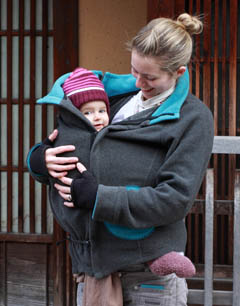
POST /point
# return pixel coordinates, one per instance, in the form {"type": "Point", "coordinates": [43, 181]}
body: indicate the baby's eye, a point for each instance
{"type": "Point", "coordinates": [86, 113]}
{"type": "Point", "coordinates": [102, 111]}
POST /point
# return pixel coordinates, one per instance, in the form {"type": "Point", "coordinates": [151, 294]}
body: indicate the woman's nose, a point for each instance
{"type": "Point", "coordinates": [139, 82]}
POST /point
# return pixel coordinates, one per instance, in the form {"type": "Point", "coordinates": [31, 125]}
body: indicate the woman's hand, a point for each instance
{"type": "Point", "coordinates": [53, 135]}
{"type": "Point", "coordinates": [58, 166]}
{"type": "Point", "coordinates": [65, 191]}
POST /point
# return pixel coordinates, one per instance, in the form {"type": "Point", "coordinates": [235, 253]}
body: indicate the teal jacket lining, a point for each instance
{"type": "Point", "coordinates": [116, 84]}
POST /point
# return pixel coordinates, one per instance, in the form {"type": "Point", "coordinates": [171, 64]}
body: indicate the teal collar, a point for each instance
{"type": "Point", "coordinates": [171, 107]}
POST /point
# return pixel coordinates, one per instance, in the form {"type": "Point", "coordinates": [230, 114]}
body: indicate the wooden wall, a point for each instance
{"type": "Point", "coordinates": [104, 28]}
{"type": "Point", "coordinates": [26, 274]}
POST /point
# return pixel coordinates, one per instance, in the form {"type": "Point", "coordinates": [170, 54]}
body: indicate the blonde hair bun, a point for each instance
{"type": "Point", "coordinates": [192, 24]}
{"type": "Point", "coordinates": [169, 41]}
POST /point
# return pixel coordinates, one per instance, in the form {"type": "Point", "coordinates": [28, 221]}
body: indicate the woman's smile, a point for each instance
{"type": "Point", "coordinates": [146, 90]}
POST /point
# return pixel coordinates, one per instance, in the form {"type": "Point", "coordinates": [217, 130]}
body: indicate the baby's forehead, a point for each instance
{"type": "Point", "coordinates": [94, 104]}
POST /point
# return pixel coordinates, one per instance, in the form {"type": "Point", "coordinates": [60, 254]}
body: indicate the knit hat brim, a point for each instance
{"type": "Point", "coordinates": [88, 96]}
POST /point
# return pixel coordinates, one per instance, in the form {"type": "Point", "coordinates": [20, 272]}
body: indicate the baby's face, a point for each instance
{"type": "Point", "coordinates": [96, 113]}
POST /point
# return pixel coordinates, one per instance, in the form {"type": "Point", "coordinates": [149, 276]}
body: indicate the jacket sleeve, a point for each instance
{"type": "Point", "coordinates": [177, 183]}
{"type": "Point", "coordinates": [36, 161]}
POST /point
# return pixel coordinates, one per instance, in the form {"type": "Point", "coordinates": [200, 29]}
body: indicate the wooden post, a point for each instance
{"type": "Point", "coordinates": [208, 281]}
{"type": "Point", "coordinates": [236, 243]}
{"type": "Point", "coordinates": [65, 15]}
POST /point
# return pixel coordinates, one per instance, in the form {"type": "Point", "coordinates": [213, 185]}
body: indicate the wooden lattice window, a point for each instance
{"type": "Point", "coordinates": [38, 43]}
{"type": "Point", "coordinates": [26, 74]}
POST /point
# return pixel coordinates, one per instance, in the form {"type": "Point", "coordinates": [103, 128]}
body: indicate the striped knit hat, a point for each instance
{"type": "Point", "coordinates": [83, 86]}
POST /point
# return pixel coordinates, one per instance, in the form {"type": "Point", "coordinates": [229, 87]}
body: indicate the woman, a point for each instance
{"type": "Point", "coordinates": [147, 167]}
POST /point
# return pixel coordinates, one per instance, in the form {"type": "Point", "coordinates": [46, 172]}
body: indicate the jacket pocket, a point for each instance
{"type": "Point", "coordinates": [148, 295]}
{"type": "Point", "coordinates": [127, 233]}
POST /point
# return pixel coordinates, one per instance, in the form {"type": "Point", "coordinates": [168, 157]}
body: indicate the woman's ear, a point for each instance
{"type": "Point", "coordinates": [181, 70]}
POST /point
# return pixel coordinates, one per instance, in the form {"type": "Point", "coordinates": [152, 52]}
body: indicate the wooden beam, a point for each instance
{"type": "Point", "coordinates": [226, 145]}
{"type": "Point", "coordinates": [22, 237]}
{"type": "Point", "coordinates": [196, 297]}
{"type": "Point", "coordinates": [65, 15]}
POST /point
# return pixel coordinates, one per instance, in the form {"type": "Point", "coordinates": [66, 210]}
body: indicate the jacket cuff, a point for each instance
{"type": "Point", "coordinates": [37, 161]}
{"type": "Point", "coordinates": [106, 198]}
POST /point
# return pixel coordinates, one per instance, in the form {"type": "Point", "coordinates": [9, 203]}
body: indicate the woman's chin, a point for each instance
{"type": "Point", "coordinates": [149, 93]}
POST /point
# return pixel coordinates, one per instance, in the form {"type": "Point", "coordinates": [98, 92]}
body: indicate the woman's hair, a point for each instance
{"type": "Point", "coordinates": [170, 41]}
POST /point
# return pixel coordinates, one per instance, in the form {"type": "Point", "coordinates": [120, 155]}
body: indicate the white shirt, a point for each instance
{"type": "Point", "coordinates": [137, 104]}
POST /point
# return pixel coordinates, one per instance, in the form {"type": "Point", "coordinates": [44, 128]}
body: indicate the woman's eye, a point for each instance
{"type": "Point", "coordinates": [150, 79]}
{"type": "Point", "coordinates": [134, 72]}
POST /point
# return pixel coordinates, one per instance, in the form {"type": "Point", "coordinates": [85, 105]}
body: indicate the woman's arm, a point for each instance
{"type": "Point", "coordinates": [43, 161]}
{"type": "Point", "coordinates": [178, 180]}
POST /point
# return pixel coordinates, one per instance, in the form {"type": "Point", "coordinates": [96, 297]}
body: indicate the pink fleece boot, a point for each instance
{"type": "Point", "coordinates": [172, 262]}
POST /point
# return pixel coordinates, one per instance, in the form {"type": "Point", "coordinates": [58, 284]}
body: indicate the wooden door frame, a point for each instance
{"type": "Point", "coordinates": [65, 20]}
{"type": "Point", "coordinates": [65, 36]}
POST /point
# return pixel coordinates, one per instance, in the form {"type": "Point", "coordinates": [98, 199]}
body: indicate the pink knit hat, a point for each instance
{"type": "Point", "coordinates": [83, 86]}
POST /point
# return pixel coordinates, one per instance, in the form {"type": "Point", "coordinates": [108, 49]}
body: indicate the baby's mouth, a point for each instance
{"type": "Point", "coordinates": [97, 126]}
